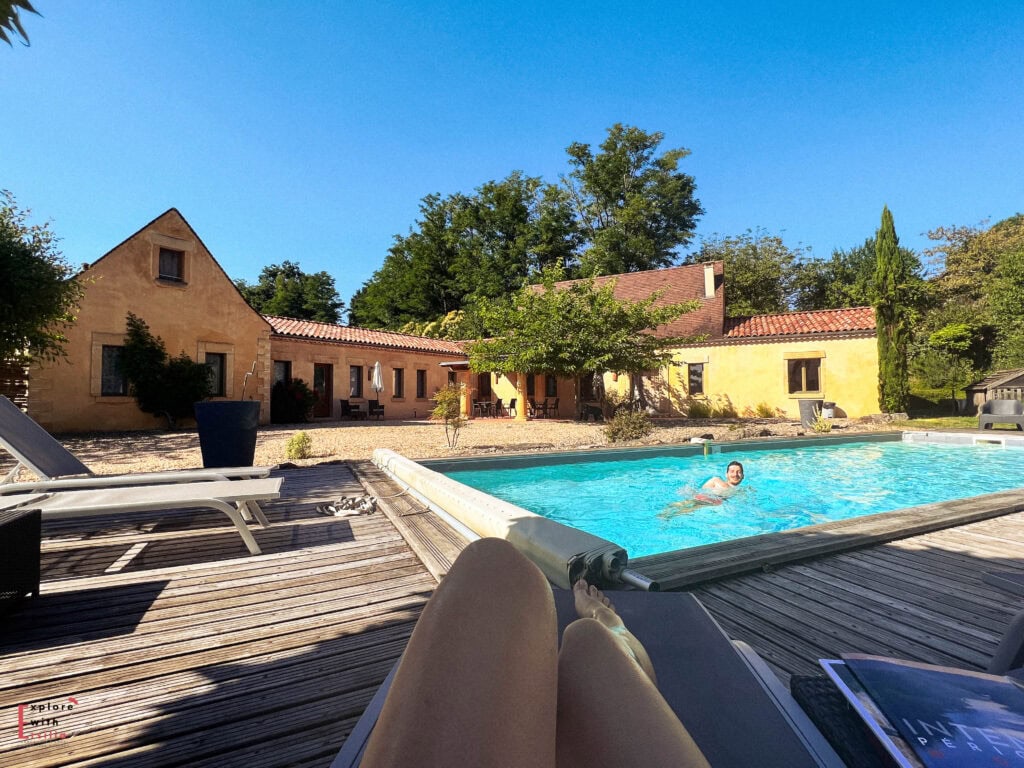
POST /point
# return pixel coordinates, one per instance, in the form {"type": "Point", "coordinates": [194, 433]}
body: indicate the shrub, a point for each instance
{"type": "Point", "coordinates": [161, 385]}
{"type": "Point", "coordinates": [628, 425]}
{"type": "Point", "coordinates": [300, 446]}
{"type": "Point", "coordinates": [765, 411]}
{"type": "Point", "coordinates": [698, 409]}
{"type": "Point", "coordinates": [449, 410]}
{"type": "Point", "coordinates": [820, 424]}
{"type": "Point", "coordinates": [291, 402]}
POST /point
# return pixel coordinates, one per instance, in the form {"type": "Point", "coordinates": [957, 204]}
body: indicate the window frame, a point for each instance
{"type": "Point", "coordinates": [355, 382]}
{"type": "Point", "coordinates": [421, 384]}
{"type": "Point", "coordinates": [106, 375]}
{"type": "Point", "coordinates": [398, 380]}
{"type": "Point", "coordinates": [179, 259]}
{"type": "Point", "coordinates": [218, 378]}
{"type": "Point", "coordinates": [691, 370]}
{"type": "Point", "coordinates": [798, 366]}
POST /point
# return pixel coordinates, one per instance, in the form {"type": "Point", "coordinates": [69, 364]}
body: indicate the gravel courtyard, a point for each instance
{"type": "Point", "coordinates": [333, 441]}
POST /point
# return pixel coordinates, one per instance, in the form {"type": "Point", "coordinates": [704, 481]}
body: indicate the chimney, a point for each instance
{"type": "Point", "coordinates": [709, 281]}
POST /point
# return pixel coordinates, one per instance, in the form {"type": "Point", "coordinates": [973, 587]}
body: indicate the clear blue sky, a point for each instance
{"type": "Point", "coordinates": [310, 131]}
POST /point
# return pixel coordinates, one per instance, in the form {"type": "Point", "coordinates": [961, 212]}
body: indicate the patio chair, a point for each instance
{"type": "Point", "coordinates": [511, 410]}
{"type": "Point", "coordinates": [499, 408]}
{"type": "Point", "coordinates": [731, 703]}
{"type": "Point", "coordinates": [35, 449]}
{"type": "Point", "coordinates": [374, 408]}
{"type": "Point", "coordinates": [1001, 412]}
{"type": "Point", "coordinates": [551, 409]}
{"type": "Point", "coordinates": [232, 497]}
{"type": "Point", "coordinates": [349, 411]}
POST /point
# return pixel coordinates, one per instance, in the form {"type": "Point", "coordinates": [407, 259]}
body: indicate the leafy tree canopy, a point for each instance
{"type": "Point", "coordinates": [286, 291]}
{"type": "Point", "coordinates": [10, 19]}
{"type": "Point", "coordinates": [569, 331]}
{"type": "Point", "coordinates": [38, 296]}
{"type": "Point", "coordinates": [467, 247]}
{"type": "Point", "coordinates": [760, 271]}
{"type": "Point", "coordinates": [633, 206]}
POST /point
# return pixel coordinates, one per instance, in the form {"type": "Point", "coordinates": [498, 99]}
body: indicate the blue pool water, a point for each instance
{"type": "Point", "coordinates": [787, 488]}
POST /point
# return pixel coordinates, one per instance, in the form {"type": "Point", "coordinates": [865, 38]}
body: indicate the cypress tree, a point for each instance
{"type": "Point", "coordinates": [891, 318]}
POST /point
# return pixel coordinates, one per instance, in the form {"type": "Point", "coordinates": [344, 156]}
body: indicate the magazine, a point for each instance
{"type": "Point", "coordinates": [948, 716]}
{"type": "Point", "coordinates": [901, 753]}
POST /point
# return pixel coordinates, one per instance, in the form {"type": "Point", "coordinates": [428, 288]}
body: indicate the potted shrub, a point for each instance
{"type": "Point", "coordinates": [177, 388]}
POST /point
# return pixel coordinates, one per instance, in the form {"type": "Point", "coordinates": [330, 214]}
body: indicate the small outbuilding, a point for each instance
{"type": "Point", "coordinates": [999, 385]}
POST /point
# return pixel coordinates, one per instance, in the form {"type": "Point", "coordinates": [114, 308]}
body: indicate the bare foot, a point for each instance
{"type": "Point", "coordinates": [591, 603]}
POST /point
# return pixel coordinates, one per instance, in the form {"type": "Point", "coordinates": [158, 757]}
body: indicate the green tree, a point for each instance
{"type": "Point", "coordinates": [467, 247]}
{"type": "Point", "coordinates": [38, 295]}
{"type": "Point", "coordinates": [947, 361]}
{"type": "Point", "coordinates": [161, 385]}
{"type": "Point", "coordinates": [1007, 300]}
{"type": "Point", "coordinates": [10, 19]}
{"type": "Point", "coordinates": [633, 207]}
{"type": "Point", "coordinates": [760, 271]}
{"type": "Point", "coordinates": [286, 291]}
{"type": "Point", "coordinates": [891, 318]}
{"type": "Point", "coordinates": [571, 331]}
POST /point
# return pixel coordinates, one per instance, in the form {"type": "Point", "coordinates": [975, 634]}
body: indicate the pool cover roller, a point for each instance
{"type": "Point", "coordinates": [564, 554]}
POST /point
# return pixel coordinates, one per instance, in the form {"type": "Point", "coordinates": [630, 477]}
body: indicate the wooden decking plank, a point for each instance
{"type": "Point", "coordinates": [281, 611]}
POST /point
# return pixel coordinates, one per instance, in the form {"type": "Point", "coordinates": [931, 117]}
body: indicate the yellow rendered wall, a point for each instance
{"type": "Point", "coordinates": [304, 354]}
{"type": "Point", "coordinates": [750, 374]}
{"type": "Point", "coordinates": [204, 314]}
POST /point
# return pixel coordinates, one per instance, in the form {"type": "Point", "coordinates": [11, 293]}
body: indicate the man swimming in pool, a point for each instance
{"type": "Point", "coordinates": [712, 493]}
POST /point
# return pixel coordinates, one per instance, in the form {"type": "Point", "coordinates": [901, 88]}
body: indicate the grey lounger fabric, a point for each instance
{"type": "Point", "coordinates": [227, 496]}
{"type": "Point", "coordinates": [33, 447]}
{"type": "Point", "coordinates": [737, 711]}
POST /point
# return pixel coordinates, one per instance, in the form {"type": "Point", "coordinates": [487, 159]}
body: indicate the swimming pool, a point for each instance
{"type": "Point", "coordinates": [620, 499]}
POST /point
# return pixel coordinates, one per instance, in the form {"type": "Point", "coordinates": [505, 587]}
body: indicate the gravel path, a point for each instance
{"type": "Point", "coordinates": [138, 451]}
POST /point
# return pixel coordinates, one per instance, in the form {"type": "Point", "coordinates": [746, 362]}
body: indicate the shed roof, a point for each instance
{"type": "Point", "coordinates": [998, 379]}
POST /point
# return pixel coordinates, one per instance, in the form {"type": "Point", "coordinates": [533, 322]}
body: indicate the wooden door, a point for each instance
{"type": "Point", "coordinates": [323, 386]}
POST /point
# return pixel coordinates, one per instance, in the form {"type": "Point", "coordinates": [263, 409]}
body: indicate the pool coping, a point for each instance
{"type": "Point", "coordinates": [685, 568]}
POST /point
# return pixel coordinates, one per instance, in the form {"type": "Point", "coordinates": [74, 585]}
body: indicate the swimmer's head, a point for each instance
{"type": "Point", "coordinates": [734, 473]}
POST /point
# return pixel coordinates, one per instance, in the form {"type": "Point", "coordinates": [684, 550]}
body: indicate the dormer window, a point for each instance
{"type": "Point", "coordinates": [172, 265]}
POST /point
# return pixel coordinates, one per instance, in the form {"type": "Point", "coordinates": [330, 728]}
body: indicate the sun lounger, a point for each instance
{"type": "Point", "coordinates": [1001, 412]}
{"type": "Point", "coordinates": [228, 496]}
{"type": "Point", "coordinates": [734, 707]}
{"type": "Point", "coordinates": [34, 448]}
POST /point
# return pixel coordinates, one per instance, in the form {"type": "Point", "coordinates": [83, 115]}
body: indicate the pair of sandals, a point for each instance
{"type": "Point", "coordinates": [349, 506]}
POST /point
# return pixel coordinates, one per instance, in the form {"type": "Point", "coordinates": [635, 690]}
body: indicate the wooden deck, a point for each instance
{"type": "Point", "coordinates": [190, 652]}
{"type": "Point", "coordinates": [194, 653]}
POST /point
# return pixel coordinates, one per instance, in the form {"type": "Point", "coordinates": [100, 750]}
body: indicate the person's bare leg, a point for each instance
{"type": "Point", "coordinates": [592, 603]}
{"type": "Point", "coordinates": [610, 712]}
{"type": "Point", "coordinates": [477, 684]}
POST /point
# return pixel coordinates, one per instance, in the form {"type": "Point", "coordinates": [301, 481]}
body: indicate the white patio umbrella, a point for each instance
{"type": "Point", "coordinates": [378, 378]}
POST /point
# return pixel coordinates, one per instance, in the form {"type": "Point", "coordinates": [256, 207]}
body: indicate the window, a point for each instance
{"type": "Point", "coordinates": [421, 384]}
{"type": "Point", "coordinates": [355, 381]}
{"type": "Point", "coordinates": [453, 378]}
{"type": "Point", "coordinates": [531, 386]}
{"type": "Point", "coordinates": [483, 386]}
{"type": "Point", "coordinates": [587, 386]}
{"type": "Point", "coordinates": [695, 378]}
{"type": "Point", "coordinates": [804, 375]}
{"type": "Point", "coordinates": [399, 382]}
{"type": "Point", "coordinates": [550, 386]}
{"type": "Point", "coordinates": [172, 265]}
{"type": "Point", "coordinates": [217, 363]}
{"type": "Point", "coordinates": [113, 382]}
{"type": "Point", "coordinates": [282, 371]}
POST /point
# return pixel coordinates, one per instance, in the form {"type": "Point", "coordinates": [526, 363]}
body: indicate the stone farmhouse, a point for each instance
{"type": "Point", "coordinates": [165, 275]}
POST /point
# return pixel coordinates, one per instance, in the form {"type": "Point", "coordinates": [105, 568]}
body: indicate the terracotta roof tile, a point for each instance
{"type": "Point", "coordinates": [348, 334]}
{"type": "Point", "coordinates": [678, 284]}
{"type": "Point", "coordinates": [799, 323]}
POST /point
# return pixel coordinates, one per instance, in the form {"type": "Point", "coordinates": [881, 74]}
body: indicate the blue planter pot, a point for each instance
{"type": "Point", "coordinates": [227, 432]}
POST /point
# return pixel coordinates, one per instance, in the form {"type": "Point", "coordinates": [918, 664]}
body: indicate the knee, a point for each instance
{"type": "Point", "coordinates": [495, 562]}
